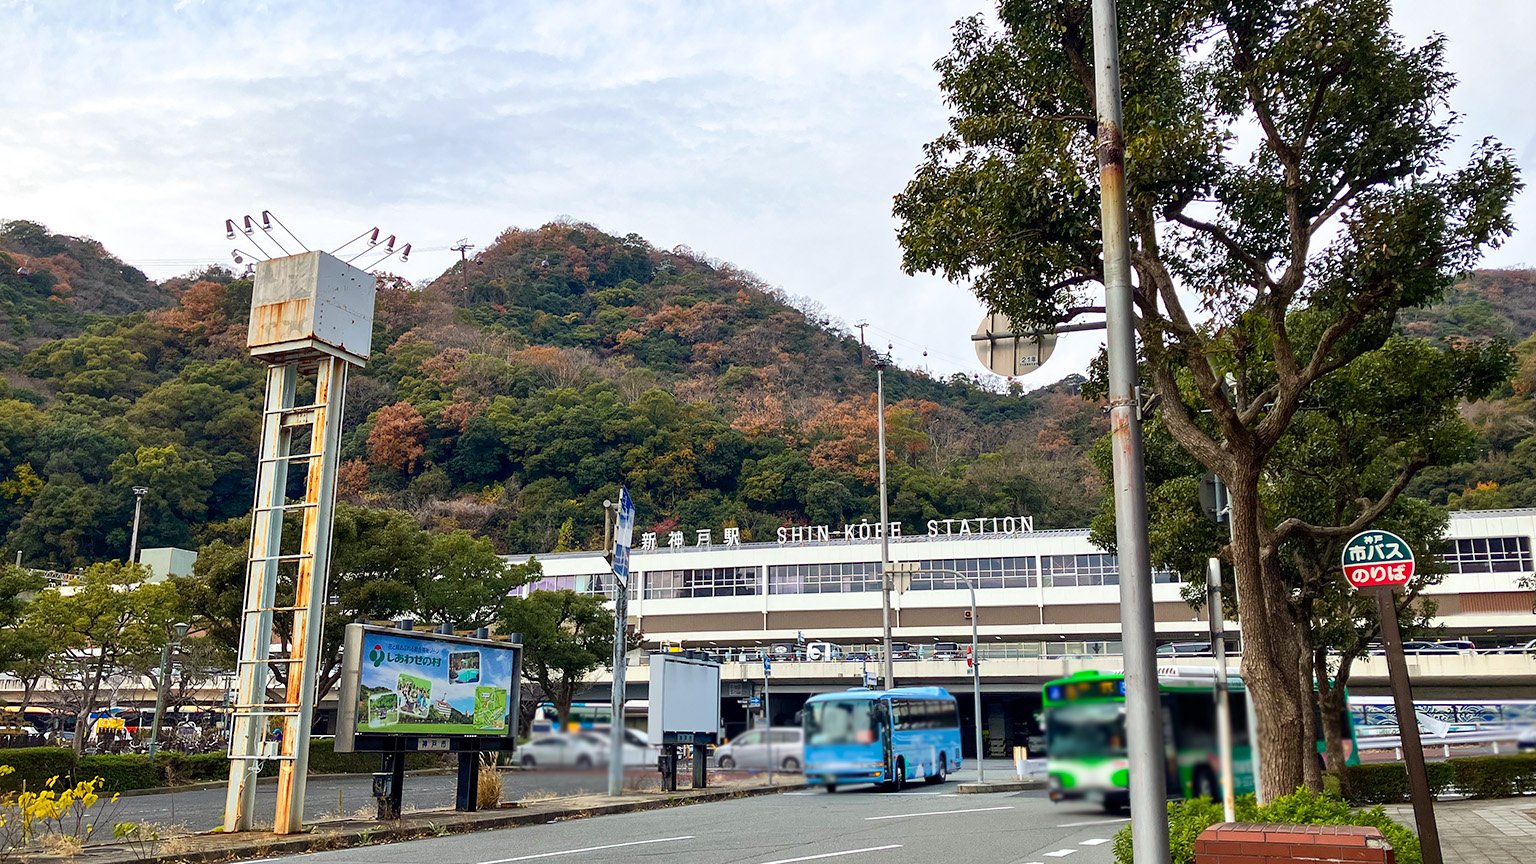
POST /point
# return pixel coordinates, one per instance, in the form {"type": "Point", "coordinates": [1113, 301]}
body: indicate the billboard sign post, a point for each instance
{"type": "Point", "coordinates": [404, 691]}
{"type": "Point", "coordinates": [1380, 561]}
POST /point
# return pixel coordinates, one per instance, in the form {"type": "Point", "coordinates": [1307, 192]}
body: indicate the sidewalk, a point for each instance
{"type": "Point", "coordinates": [1482, 832]}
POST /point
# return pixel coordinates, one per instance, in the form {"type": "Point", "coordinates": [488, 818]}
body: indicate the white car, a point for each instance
{"type": "Point", "coordinates": [560, 750]}
{"type": "Point", "coordinates": [637, 751]}
{"type": "Point", "coordinates": [751, 749]}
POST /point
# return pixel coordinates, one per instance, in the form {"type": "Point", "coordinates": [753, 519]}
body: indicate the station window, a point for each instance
{"type": "Point", "coordinates": [1488, 555]}
{"type": "Point", "coordinates": [1098, 568]}
{"type": "Point", "coordinates": [1016, 572]}
{"type": "Point", "coordinates": [701, 582]}
{"type": "Point", "coordinates": [844, 577]}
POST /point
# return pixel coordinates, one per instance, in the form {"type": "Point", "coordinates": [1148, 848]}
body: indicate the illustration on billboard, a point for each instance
{"type": "Point", "coordinates": [415, 685]}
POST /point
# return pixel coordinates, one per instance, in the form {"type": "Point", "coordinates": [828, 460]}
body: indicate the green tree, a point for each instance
{"type": "Point", "coordinates": [566, 636]}
{"type": "Point", "coordinates": [464, 583]}
{"type": "Point", "coordinates": [18, 587]}
{"type": "Point", "coordinates": [109, 621]}
{"type": "Point", "coordinates": [1299, 250]}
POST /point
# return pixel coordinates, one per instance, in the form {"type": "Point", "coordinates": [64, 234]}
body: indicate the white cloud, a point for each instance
{"type": "Point", "coordinates": [772, 135]}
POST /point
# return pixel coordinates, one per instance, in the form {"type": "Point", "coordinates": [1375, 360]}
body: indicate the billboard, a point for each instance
{"type": "Point", "coordinates": [684, 705]}
{"type": "Point", "coordinates": [405, 683]}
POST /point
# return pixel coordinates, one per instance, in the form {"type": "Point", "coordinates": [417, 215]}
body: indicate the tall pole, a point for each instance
{"type": "Point", "coordinates": [1408, 728]}
{"type": "Point", "coordinates": [1143, 711]}
{"type": "Point", "coordinates": [138, 504]}
{"type": "Point", "coordinates": [620, 635]}
{"type": "Point", "coordinates": [179, 631]}
{"type": "Point", "coordinates": [981, 776]}
{"type": "Point", "coordinates": [1214, 608]}
{"type": "Point", "coordinates": [885, 540]}
{"type": "Point", "coordinates": [768, 720]}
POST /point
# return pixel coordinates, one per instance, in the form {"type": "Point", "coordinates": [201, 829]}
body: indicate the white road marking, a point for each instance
{"type": "Point", "coordinates": [1061, 853]}
{"type": "Point", "coordinates": [800, 793]}
{"type": "Point", "coordinates": [586, 849]}
{"type": "Point", "coordinates": [1095, 822]}
{"type": "Point", "coordinates": [834, 854]}
{"type": "Point", "coordinates": [1094, 842]}
{"type": "Point", "coordinates": [935, 813]}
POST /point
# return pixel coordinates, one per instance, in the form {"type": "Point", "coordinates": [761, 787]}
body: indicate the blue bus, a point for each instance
{"type": "Point", "coordinates": [887, 737]}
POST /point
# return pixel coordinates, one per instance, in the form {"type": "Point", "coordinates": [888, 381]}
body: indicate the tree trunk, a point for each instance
{"type": "Point", "coordinates": [1331, 706]}
{"type": "Point", "coordinates": [83, 719]}
{"type": "Point", "coordinates": [1270, 655]}
{"type": "Point", "coordinates": [1311, 768]}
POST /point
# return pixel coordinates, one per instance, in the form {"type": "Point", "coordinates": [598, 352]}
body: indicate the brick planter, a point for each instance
{"type": "Point", "coordinates": [1238, 843]}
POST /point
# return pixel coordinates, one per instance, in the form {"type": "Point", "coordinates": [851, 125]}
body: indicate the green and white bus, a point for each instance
{"type": "Point", "coordinates": [1086, 746]}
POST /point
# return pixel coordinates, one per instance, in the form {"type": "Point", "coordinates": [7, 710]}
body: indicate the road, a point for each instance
{"type": "Point", "coordinates": [333, 796]}
{"type": "Point", "coordinates": [923, 825]}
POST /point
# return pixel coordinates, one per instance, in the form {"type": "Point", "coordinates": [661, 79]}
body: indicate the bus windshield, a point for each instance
{"type": "Point", "coordinates": [1095, 729]}
{"type": "Point", "coordinates": [852, 722]}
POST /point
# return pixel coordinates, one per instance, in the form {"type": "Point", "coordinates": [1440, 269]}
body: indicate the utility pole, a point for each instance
{"type": "Point", "coordinates": [885, 540]}
{"type": "Point", "coordinates": [863, 351]}
{"type": "Point", "coordinates": [462, 247]}
{"type": "Point", "coordinates": [1143, 711]}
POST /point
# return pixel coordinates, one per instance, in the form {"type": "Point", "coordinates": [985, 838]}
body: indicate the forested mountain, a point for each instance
{"type": "Point", "coordinates": [508, 400]}
{"type": "Point", "coordinates": [511, 398]}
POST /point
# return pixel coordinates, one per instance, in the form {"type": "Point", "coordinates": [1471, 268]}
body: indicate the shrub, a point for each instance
{"type": "Point", "coordinates": [119, 772]}
{"type": "Point", "coordinates": [32, 766]}
{"type": "Point", "coordinates": [1473, 776]}
{"type": "Point", "coordinates": [1186, 819]}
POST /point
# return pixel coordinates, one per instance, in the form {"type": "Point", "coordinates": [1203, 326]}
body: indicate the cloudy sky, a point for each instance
{"type": "Point", "coordinates": [768, 134]}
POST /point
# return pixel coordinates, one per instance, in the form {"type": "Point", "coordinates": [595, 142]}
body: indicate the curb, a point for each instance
{"type": "Point", "coordinates": [1003, 786]}
{"type": "Point", "coordinates": [427, 824]}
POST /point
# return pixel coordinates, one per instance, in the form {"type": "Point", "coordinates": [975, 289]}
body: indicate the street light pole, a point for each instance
{"type": "Point", "coordinates": [180, 631]}
{"type": "Point", "coordinates": [908, 569]}
{"type": "Point", "coordinates": [1143, 709]}
{"type": "Point", "coordinates": [885, 540]}
{"type": "Point", "coordinates": [138, 504]}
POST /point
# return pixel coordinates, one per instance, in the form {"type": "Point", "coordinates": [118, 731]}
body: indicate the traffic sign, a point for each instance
{"type": "Point", "coordinates": [623, 534]}
{"type": "Point", "coordinates": [1005, 351]}
{"type": "Point", "coordinates": [1377, 559]}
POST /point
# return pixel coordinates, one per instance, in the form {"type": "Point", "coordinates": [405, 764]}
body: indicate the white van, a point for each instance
{"type": "Point", "coordinates": [823, 651]}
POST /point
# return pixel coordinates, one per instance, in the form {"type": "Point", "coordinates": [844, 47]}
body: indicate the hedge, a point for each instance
{"type": "Point", "coordinates": [1186, 819]}
{"type": "Point", "coordinates": [34, 765]}
{"type": "Point", "coordinates": [1472, 776]}
{"type": "Point", "coordinates": [122, 772]}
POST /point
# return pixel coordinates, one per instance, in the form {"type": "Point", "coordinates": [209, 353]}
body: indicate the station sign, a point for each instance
{"type": "Point", "coordinates": [1377, 559]}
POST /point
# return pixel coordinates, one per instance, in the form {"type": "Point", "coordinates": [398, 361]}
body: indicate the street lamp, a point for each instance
{"type": "Point", "coordinates": [908, 569]}
{"type": "Point", "coordinates": [138, 504]}
{"type": "Point", "coordinates": [885, 530]}
{"type": "Point", "coordinates": [180, 633]}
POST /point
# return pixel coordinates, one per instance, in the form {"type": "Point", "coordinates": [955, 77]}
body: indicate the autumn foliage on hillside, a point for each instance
{"type": "Point", "coordinates": [511, 399]}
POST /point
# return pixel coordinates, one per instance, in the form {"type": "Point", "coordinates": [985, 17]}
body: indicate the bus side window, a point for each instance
{"type": "Point", "coordinates": [1196, 716]}
{"type": "Point", "coordinates": [1239, 702]}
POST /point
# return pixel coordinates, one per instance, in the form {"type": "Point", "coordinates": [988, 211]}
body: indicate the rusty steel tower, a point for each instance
{"type": "Point", "coordinates": [311, 320]}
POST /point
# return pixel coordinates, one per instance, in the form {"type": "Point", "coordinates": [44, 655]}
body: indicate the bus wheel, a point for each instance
{"type": "Point", "coordinates": [899, 781]}
{"type": "Point", "coordinates": [831, 787]}
{"type": "Point", "coordinates": [943, 773]}
{"type": "Point", "coordinates": [1204, 784]}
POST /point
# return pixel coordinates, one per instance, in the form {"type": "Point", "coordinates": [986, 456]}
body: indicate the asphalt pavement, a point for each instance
{"type": "Point", "coordinates": [329, 797]}
{"type": "Point", "coordinates": [922, 825]}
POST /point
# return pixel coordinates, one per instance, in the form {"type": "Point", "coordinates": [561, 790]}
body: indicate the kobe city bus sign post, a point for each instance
{"type": "Point", "coordinates": [1380, 561]}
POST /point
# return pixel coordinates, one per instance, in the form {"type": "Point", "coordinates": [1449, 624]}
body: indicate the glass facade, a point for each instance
{"type": "Point", "coordinates": [1488, 555]}
{"type": "Point", "coordinates": [840, 578]}
{"type": "Point", "coordinates": [985, 572]}
{"type": "Point", "coordinates": [702, 582]}
{"type": "Point", "coordinates": [1098, 568]}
